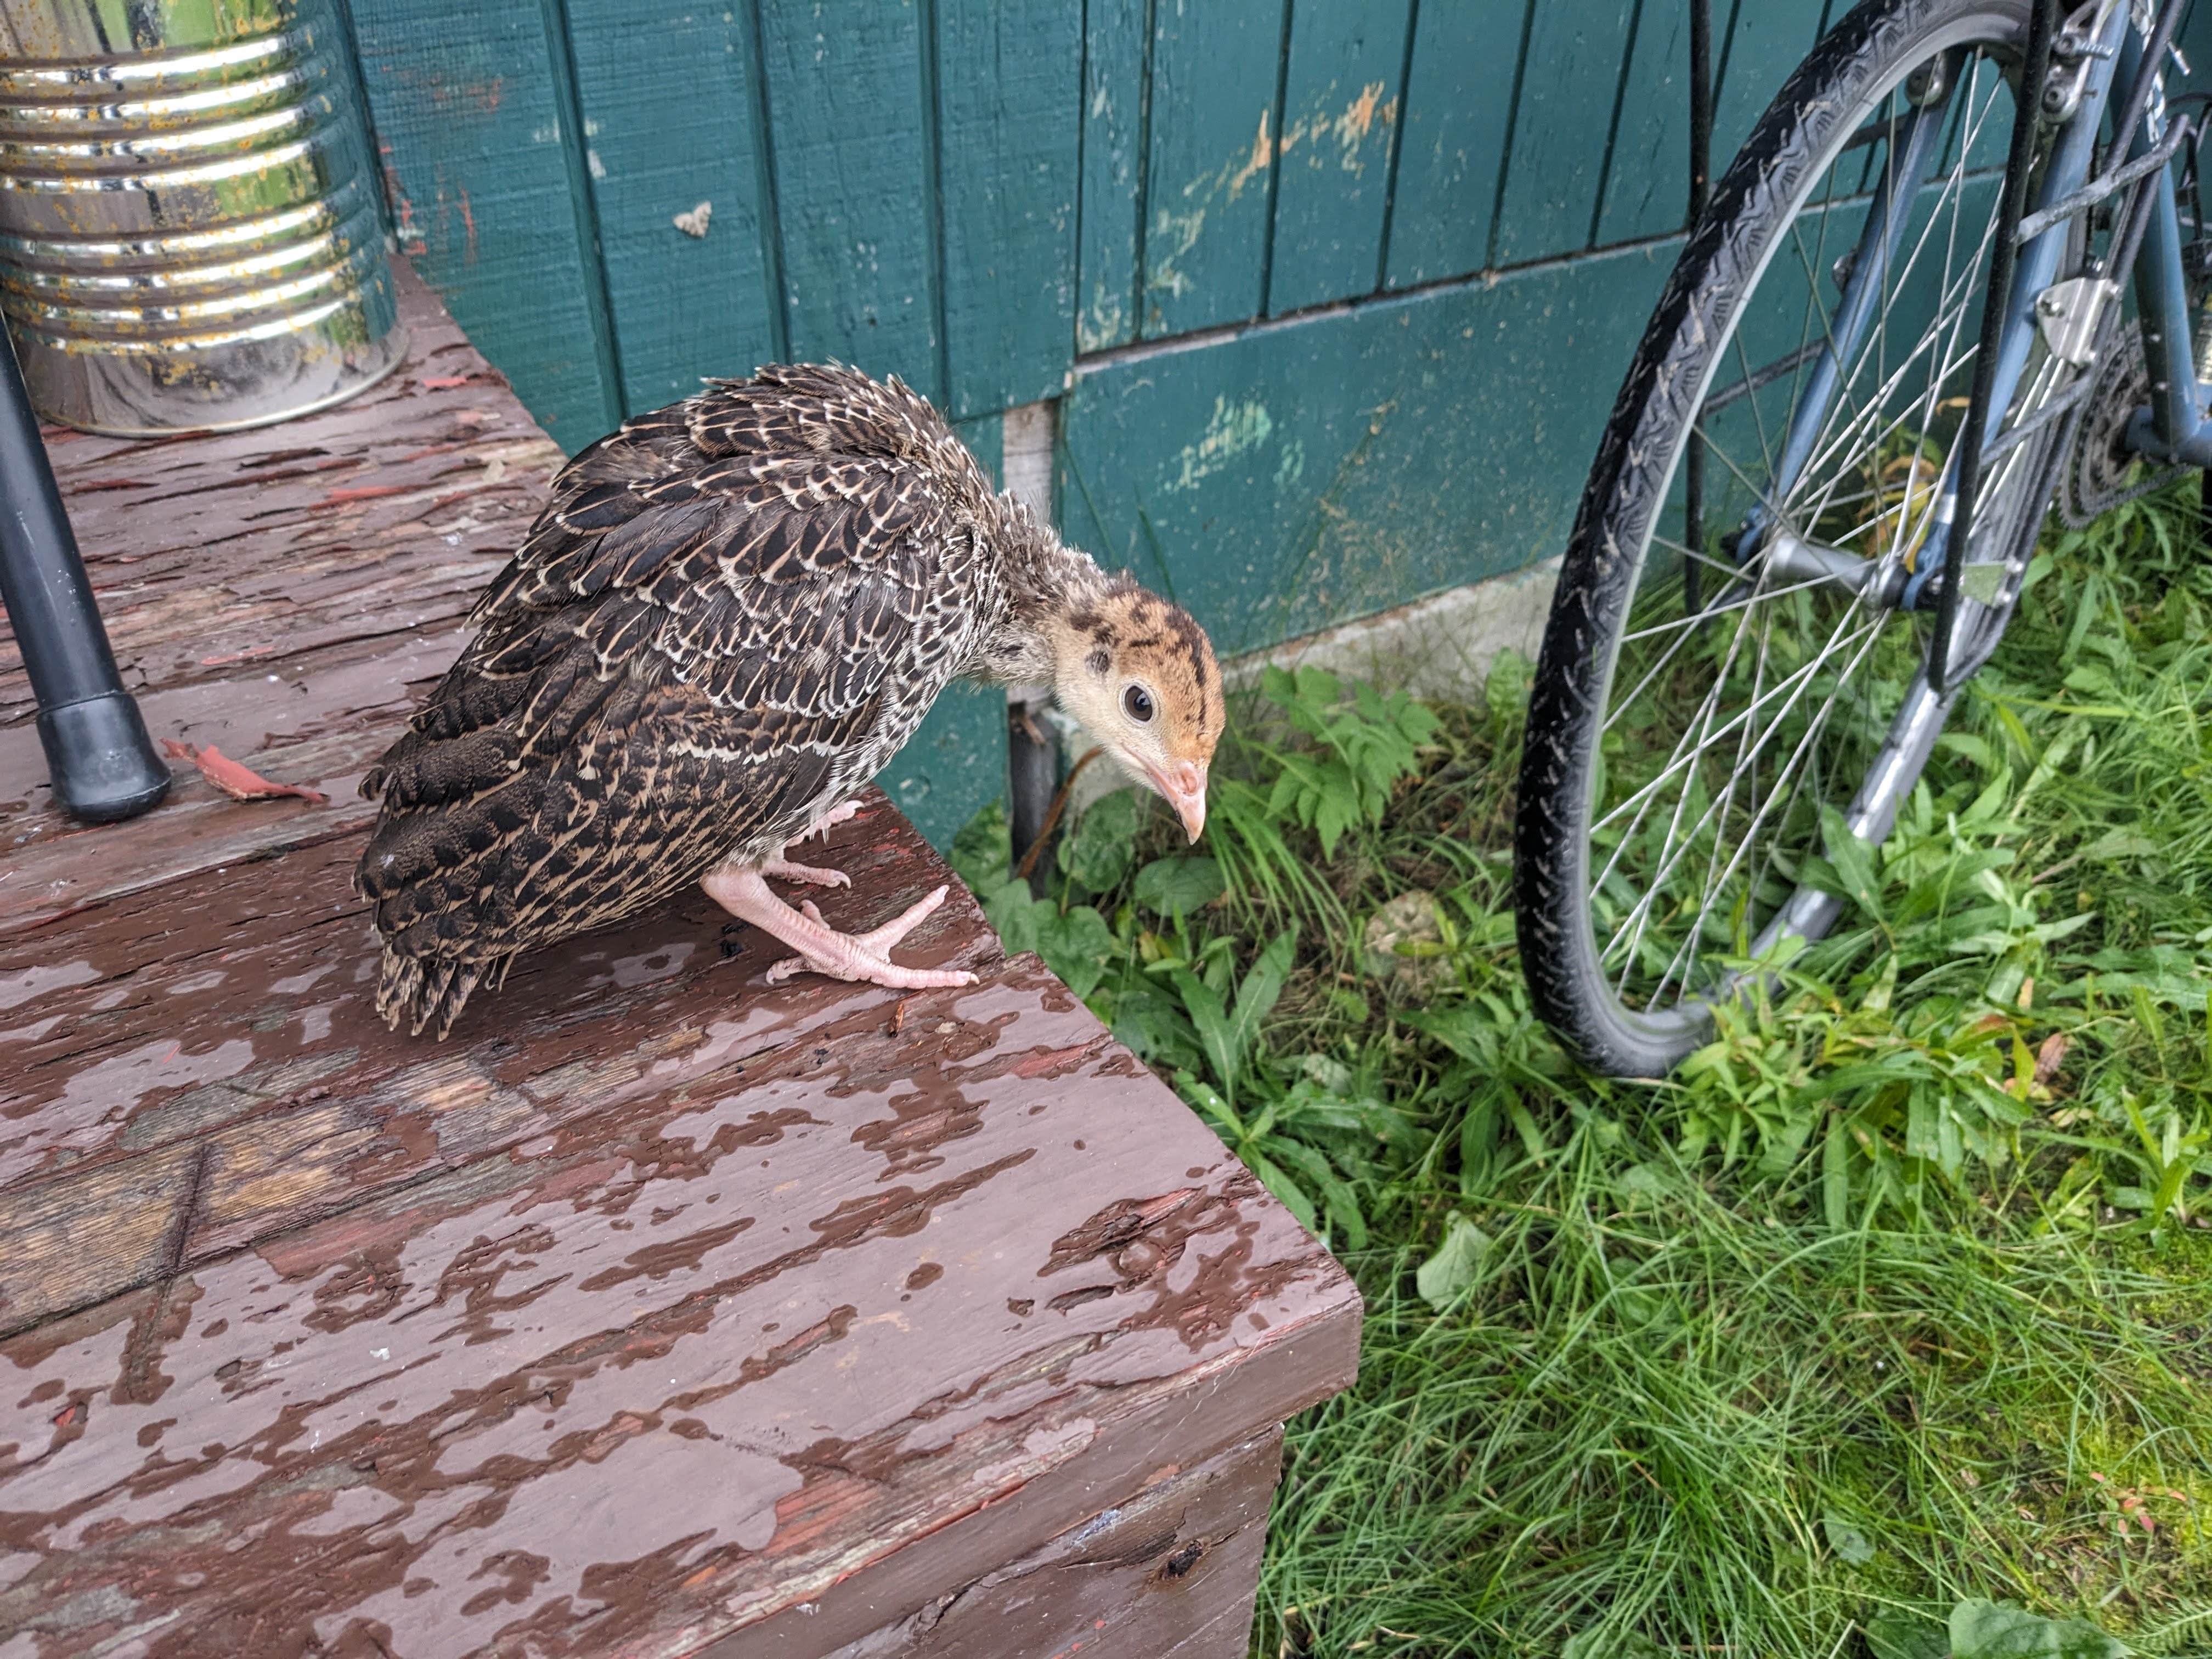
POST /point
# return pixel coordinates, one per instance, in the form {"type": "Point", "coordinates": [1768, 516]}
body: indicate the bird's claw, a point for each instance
{"type": "Point", "coordinates": [830, 820]}
{"type": "Point", "coordinates": [805, 872]}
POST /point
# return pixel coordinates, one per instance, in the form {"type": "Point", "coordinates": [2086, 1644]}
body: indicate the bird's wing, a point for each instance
{"type": "Point", "coordinates": [672, 668]}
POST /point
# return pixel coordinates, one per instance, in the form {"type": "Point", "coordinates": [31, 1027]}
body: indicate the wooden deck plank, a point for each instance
{"type": "Point", "coordinates": [661, 1309]}
{"type": "Point", "coordinates": [895, 1294]}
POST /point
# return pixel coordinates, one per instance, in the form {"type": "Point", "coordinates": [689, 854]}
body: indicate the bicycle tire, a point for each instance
{"type": "Point", "coordinates": [1587, 997]}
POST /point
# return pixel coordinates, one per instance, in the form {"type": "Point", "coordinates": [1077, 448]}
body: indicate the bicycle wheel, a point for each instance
{"type": "Point", "coordinates": [1696, 707]}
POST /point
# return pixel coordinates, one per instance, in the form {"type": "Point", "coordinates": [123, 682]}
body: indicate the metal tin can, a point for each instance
{"type": "Point", "coordinates": [192, 237]}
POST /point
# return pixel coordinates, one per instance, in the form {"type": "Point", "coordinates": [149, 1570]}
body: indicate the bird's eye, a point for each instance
{"type": "Point", "coordinates": [1138, 703]}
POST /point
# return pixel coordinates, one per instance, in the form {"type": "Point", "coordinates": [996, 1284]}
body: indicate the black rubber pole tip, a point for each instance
{"type": "Point", "coordinates": [102, 760]}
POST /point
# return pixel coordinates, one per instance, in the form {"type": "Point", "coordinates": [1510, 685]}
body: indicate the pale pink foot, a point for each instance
{"type": "Point", "coordinates": [744, 894]}
{"type": "Point", "coordinates": [830, 820]}
{"type": "Point", "coordinates": [813, 876]}
{"type": "Point", "coordinates": [784, 870]}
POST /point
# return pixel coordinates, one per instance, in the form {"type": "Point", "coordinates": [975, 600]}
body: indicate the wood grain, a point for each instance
{"type": "Point", "coordinates": [1115, 87]}
{"type": "Point", "coordinates": [1009, 85]}
{"type": "Point", "coordinates": [1647, 188]}
{"type": "Point", "coordinates": [1562, 131]}
{"type": "Point", "coordinates": [853, 137]}
{"type": "Point", "coordinates": [896, 1287]}
{"type": "Point", "coordinates": [1459, 109]}
{"type": "Point", "coordinates": [683, 307]}
{"type": "Point", "coordinates": [1342, 97]}
{"type": "Point", "coordinates": [1215, 118]}
{"type": "Point", "coordinates": [482, 173]}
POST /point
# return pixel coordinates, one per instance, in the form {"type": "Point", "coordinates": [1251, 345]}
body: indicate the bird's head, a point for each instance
{"type": "Point", "coordinates": [1140, 675]}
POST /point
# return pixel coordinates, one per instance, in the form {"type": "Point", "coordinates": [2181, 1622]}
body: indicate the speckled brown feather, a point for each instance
{"type": "Point", "coordinates": [732, 613]}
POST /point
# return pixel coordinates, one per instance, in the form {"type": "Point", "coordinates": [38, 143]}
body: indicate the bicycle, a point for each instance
{"type": "Point", "coordinates": [1893, 335]}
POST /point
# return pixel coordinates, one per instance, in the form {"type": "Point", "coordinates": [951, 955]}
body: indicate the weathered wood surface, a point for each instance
{"type": "Point", "coordinates": [983, 195]}
{"type": "Point", "coordinates": [280, 594]}
{"type": "Point", "coordinates": [660, 1309]}
{"type": "Point", "coordinates": [1289, 478]}
{"type": "Point", "coordinates": [1169, 1574]}
{"type": "Point", "coordinates": [657, 1304]}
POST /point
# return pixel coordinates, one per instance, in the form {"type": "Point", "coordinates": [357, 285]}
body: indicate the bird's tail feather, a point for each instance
{"type": "Point", "coordinates": [424, 991]}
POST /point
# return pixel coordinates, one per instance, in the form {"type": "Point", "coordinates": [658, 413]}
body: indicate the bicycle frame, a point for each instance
{"type": "Point", "coordinates": [2110, 49]}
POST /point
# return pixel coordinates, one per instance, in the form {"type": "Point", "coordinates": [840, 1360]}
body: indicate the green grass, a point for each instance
{"type": "Point", "coordinates": [1897, 1298]}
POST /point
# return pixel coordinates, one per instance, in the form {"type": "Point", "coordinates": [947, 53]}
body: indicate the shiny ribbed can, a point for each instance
{"type": "Point", "coordinates": [192, 237]}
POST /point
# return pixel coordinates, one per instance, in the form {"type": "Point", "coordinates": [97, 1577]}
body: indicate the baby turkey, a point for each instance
{"type": "Point", "coordinates": [731, 614]}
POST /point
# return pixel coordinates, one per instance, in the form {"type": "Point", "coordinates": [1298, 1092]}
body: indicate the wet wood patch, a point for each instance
{"type": "Point", "coordinates": [659, 1311]}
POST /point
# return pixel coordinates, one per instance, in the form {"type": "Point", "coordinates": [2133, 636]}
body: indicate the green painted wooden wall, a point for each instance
{"type": "Point", "coordinates": [1335, 294]}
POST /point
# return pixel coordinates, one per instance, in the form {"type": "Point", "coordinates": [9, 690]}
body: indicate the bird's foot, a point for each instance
{"type": "Point", "coordinates": [830, 820]}
{"type": "Point", "coordinates": [784, 870]}
{"type": "Point", "coordinates": [863, 957]}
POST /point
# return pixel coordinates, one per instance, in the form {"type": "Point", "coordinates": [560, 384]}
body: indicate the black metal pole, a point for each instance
{"type": "Point", "coordinates": [101, 761]}
{"type": "Point", "coordinates": [1701, 184]}
{"type": "Point", "coordinates": [1033, 762]}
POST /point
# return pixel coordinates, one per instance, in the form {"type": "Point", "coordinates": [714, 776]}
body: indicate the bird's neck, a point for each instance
{"type": "Point", "coordinates": [1043, 585]}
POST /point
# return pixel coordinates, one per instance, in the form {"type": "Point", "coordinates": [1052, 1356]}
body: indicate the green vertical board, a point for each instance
{"type": "Point", "coordinates": [1280, 480]}
{"type": "Point", "coordinates": [1341, 97]}
{"type": "Point", "coordinates": [1114, 44]}
{"type": "Point", "coordinates": [1010, 79]}
{"type": "Point", "coordinates": [468, 117]}
{"type": "Point", "coordinates": [852, 141]}
{"type": "Point", "coordinates": [1561, 131]}
{"type": "Point", "coordinates": [954, 766]}
{"type": "Point", "coordinates": [1459, 104]}
{"type": "Point", "coordinates": [985, 436]}
{"type": "Point", "coordinates": [1210, 162]}
{"type": "Point", "coordinates": [1647, 188]}
{"type": "Point", "coordinates": [684, 306]}
{"type": "Point", "coordinates": [1765, 40]}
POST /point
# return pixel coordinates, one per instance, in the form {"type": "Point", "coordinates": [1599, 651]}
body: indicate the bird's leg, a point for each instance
{"type": "Point", "coordinates": [783, 868]}
{"type": "Point", "coordinates": [740, 890]}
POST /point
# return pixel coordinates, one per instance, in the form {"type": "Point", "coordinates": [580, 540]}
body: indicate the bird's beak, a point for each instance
{"type": "Point", "coordinates": [1184, 785]}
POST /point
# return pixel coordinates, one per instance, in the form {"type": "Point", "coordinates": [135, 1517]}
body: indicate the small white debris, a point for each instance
{"type": "Point", "coordinates": [379, 1353]}
{"type": "Point", "coordinates": [946, 1028]}
{"type": "Point", "coordinates": [694, 223]}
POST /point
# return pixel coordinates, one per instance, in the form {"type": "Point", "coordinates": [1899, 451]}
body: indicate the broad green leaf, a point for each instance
{"type": "Point", "coordinates": [1849, 1543]}
{"type": "Point", "coordinates": [1444, 1276]}
{"type": "Point", "coordinates": [1179, 886]}
{"type": "Point", "coordinates": [1895, 1634]}
{"type": "Point", "coordinates": [1215, 1034]}
{"type": "Point", "coordinates": [1997, 1630]}
{"type": "Point", "coordinates": [1261, 989]}
{"type": "Point", "coordinates": [1337, 1196]}
{"type": "Point", "coordinates": [1097, 854]}
{"type": "Point", "coordinates": [1075, 946]}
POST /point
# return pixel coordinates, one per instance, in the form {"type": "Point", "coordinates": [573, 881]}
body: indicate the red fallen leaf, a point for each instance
{"type": "Point", "coordinates": [444, 382]}
{"type": "Point", "coordinates": [238, 782]}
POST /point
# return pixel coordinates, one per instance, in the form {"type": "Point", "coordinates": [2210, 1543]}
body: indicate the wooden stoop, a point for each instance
{"type": "Point", "coordinates": [658, 1312]}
